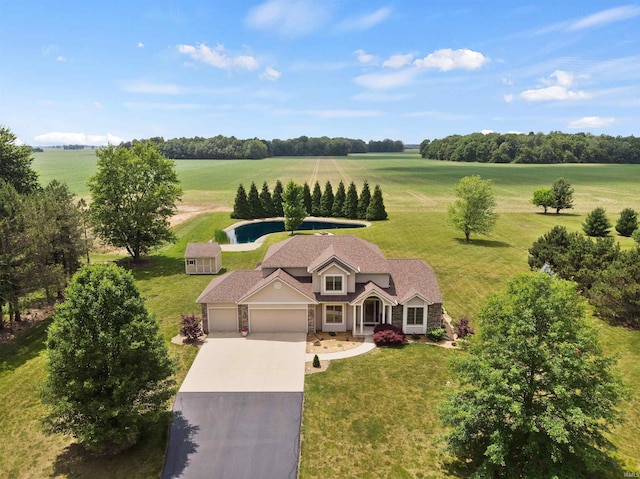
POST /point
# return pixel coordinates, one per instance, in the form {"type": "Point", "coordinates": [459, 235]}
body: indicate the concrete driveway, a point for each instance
{"type": "Point", "coordinates": [239, 410]}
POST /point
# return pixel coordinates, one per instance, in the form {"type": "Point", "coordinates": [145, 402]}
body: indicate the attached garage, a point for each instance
{"type": "Point", "coordinates": [223, 318]}
{"type": "Point", "coordinates": [278, 319]}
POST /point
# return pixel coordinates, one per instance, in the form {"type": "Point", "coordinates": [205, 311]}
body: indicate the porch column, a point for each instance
{"type": "Point", "coordinates": [361, 320]}
{"type": "Point", "coordinates": [354, 329]}
{"type": "Point", "coordinates": [384, 313]}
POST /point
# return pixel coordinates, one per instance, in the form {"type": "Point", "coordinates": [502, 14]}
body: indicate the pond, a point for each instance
{"type": "Point", "coordinates": [250, 232]}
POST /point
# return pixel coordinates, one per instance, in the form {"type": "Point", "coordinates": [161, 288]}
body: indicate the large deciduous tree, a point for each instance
{"type": "Point", "coordinates": [562, 195]}
{"type": "Point", "coordinates": [543, 198]}
{"type": "Point", "coordinates": [294, 209]}
{"type": "Point", "coordinates": [15, 163]}
{"type": "Point", "coordinates": [473, 211]}
{"type": "Point", "coordinates": [109, 369]}
{"type": "Point", "coordinates": [133, 195]}
{"type": "Point", "coordinates": [537, 398]}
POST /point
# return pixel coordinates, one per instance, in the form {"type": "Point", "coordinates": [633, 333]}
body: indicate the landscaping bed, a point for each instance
{"type": "Point", "coordinates": [323, 342]}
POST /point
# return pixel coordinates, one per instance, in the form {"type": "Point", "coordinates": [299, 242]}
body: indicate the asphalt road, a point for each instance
{"type": "Point", "coordinates": [236, 435]}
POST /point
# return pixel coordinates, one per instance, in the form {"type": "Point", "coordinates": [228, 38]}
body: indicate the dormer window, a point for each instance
{"type": "Point", "coordinates": [334, 284]}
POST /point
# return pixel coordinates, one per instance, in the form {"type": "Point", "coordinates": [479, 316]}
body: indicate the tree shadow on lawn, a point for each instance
{"type": "Point", "coordinates": [153, 266]}
{"type": "Point", "coordinates": [484, 243]}
{"type": "Point", "coordinates": [25, 347]}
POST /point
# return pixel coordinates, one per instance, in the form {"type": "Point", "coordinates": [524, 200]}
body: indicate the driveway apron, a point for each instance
{"type": "Point", "coordinates": [238, 412]}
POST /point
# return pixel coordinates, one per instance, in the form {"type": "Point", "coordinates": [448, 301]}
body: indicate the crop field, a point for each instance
{"type": "Point", "coordinates": [370, 416]}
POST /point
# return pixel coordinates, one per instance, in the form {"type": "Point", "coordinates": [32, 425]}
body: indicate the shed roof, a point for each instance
{"type": "Point", "coordinates": [202, 250]}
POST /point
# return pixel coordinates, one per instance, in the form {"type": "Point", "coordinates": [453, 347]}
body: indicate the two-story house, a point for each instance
{"type": "Point", "coordinates": [324, 283]}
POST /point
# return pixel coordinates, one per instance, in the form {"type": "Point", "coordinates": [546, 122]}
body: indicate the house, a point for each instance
{"type": "Point", "coordinates": [324, 283]}
{"type": "Point", "coordinates": [202, 258]}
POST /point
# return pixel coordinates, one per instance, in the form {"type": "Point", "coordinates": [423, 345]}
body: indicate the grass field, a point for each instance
{"type": "Point", "coordinates": [371, 416]}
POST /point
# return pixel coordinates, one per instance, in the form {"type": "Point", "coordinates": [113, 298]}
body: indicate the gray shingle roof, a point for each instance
{"type": "Point", "coordinates": [414, 276]}
{"type": "Point", "coordinates": [202, 250]}
{"type": "Point", "coordinates": [230, 287]}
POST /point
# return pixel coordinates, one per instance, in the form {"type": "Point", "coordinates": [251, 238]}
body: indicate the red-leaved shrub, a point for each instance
{"type": "Point", "coordinates": [386, 327]}
{"type": "Point", "coordinates": [388, 337]}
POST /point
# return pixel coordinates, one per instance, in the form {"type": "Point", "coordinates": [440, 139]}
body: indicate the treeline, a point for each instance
{"type": "Point", "coordinates": [555, 147]}
{"type": "Point", "coordinates": [223, 147]}
{"type": "Point", "coordinates": [345, 203]}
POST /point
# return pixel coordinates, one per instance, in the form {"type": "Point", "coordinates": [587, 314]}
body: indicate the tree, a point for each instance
{"type": "Point", "coordinates": [133, 195]}
{"type": "Point", "coordinates": [15, 163]}
{"type": "Point", "coordinates": [316, 198]}
{"type": "Point", "coordinates": [543, 198]}
{"type": "Point", "coordinates": [376, 210]}
{"type": "Point", "coordinates": [596, 223]}
{"type": "Point", "coordinates": [351, 202]}
{"type": "Point", "coordinates": [12, 252]}
{"type": "Point", "coordinates": [255, 205]}
{"type": "Point", "coordinates": [265, 200]}
{"type": "Point", "coordinates": [536, 394]}
{"type": "Point", "coordinates": [241, 208]}
{"type": "Point", "coordinates": [306, 197]}
{"type": "Point", "coordinates": [277, 200]}
{"type": "Point", "coordinates": [109, 369]}
{"type": "Point", "coordinates": [326, 202]}
{"type": "Point", "coordinates": [627, 223]}
{"type": "Point", "coordinates": [473, 211]}
{"type": "Point", "coordinates": [337, 210]}
{"type": "Point", "coordinates": [562, 195]}
{"type": "Point", "coordinates": [363, 201]}
{"type": "Point", "coordinates": [294, 210]}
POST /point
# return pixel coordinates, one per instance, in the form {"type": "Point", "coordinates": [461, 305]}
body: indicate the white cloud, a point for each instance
{"type": "Point", "coordinates": [560, 77]}
{"type": "Point", "coordinates": [154, 88]}
{"type": "Point", "coordinates": [515, 132]}
{"type": "Point", "coordinates": [508, 98]}
{"type": "Point", "coordinates": [448, 59]}
{"type": "Point", "coordinates": [98, 106]}
{"type": "Point", "coordinates": [605, 17]}
{"type": "Point", "coordinates": [365, 58]}
{"type": "Point", "coordinates": [365, 22]}
{"type": "Point", "coordinates": [66, 138]}
{"type": "Point", "coordinates": [270, 74]}
{"type": "Point", "coordinates": [559, 83]}
{"type": "Point", "coordinates": [382, 81]}
{"type": "Point", "coordinates": [289, 17]}
{"type": "Point", "coordinates": [218, 57]}
{"type": "Point", "coordinates": [140, 45]}
{"type": "Point", "coordinates": [398, 61]}
{"type": "Point", "coordinates": [487, 132]}
{"type": "Point", "coordinates": [591, 122]}
{"type": "Point", "coordinates": [61, 59]}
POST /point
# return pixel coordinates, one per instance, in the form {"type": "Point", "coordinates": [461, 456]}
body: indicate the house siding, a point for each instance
{"type": "Point", "coordinates": [311, 318]}
{"type": "Point", "coordinates": [434, 315]}
{"type": "Point", "coordinates": [205, 318]}
{"type": "Point", "coordinates": [397, 313]}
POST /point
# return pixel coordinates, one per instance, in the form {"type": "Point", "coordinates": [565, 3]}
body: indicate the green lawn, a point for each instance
{"type": "Point", "coordinates": [371, 416]}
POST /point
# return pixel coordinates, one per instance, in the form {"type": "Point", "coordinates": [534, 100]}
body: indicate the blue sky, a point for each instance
{"type": "Point", "coordinates": [91, 72]}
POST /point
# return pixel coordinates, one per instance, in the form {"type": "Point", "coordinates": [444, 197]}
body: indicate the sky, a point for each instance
{"type": "Point", "coordinates": [96, 72]}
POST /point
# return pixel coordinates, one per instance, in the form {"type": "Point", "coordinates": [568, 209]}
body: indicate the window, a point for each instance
{"type": "Point", "coordinates": [333, 283]}
{"type": "Point", "coordinates": [415, 316]}
{"type": "Point", "coordinates": [333, 314]}
{"type": "Point", "coordinates": [192, 262]}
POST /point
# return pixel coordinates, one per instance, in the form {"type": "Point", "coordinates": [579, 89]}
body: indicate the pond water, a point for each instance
{"type": "Point", "coordinates": [250, 232]}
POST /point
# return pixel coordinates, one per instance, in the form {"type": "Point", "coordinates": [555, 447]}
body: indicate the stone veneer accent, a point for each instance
{"type": "Point", "coordinates": [311, 318]}
{"type": "Point", "coordinates": [396, 315]}
{"type": "Point", "coordinates": [205, 319]}
{"type": "Point", "coordinates": [434, 315]}
{"type": "Point", "coordinates": [243, 315]}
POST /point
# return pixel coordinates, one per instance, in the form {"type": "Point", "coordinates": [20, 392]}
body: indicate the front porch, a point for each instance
{"type": "Point", "coordinates": [370, 312]}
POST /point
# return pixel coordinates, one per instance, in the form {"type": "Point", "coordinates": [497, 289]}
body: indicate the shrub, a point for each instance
{"type": "Point", "coordinates": [627, 223]}
{"type": "Point", "coordinates": [463, 328]}
{"type": "Point", "coordinates": [386, 327]}
{"type": "Point", "coordinates": [435, 334]}
{"type": "Point", "coordinates": [220, 236]}
{"type": "Point", "coordinates": [316, 361]}
{"type": "Point", "coordinates": [596, 223]}
{"type": "Point", "coordinates": [415, 336]}
{"type": "Point", "coordinates": [190, 326]}
{"type": "Point", "coordinates": [388, 337]}
{"type": "Point", "coordinates": [332, 333]}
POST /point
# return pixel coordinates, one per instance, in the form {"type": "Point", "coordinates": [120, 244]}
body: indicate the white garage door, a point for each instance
{"type": "Point", "coordinates": [223, 319]}
{"type": "Point", "coordinates": [278, 320]}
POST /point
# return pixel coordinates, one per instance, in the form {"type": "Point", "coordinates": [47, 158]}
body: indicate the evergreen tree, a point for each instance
{"type": "Point", "coordinates": [562, 195]}
{"type": "Point", "coordinates": [627, 223]}
{"type": "Point", "coordinates": [316, 197]}
{"type": "Point", "coordinates": [363, 202]}
{"type": "Point", "coordinates": [376, 210]}
{"type": "Point", "coordinates": [265, 200]}
{"type": "Point", "coordinates": [277, 200]}
{"type": "Point", "coordinates": [241, 208]}
{"type": "Point", "coordinates": [15, 163]}
{"type": "Point", "coordinates": [109, 369]}
{"type": "Point", "coordinates": [596, 223]}
{"type": "Point", "coordinates": [337, 211]}
{"type": "Point", "coordinates": [351, 202]}
{"type": "Point", "coordinates": [306, 197]}
{"type": "Point", "coordinates": [326, 202]}
{"type": "Point", "coordinates": [255, 205]}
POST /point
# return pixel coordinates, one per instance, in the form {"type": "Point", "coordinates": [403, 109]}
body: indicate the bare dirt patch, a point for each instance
{"type": "Point", "coordinates": [320, 343]}
{"type": "Point", "coordinates": [30, 318]}
{"type": "Point", "coordinates": [183, 341]}
{"type": "Point", "coordinates": [187, 211]}
{"type": "Point", "coordinates": [309, 369]}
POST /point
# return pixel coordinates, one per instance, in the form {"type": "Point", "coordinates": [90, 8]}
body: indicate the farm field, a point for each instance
{"type": "Point", "coordinates": [370, 416]}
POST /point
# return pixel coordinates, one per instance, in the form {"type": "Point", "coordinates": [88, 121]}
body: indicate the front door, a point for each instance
{"type": "Point", "coordinates": [371, 311]}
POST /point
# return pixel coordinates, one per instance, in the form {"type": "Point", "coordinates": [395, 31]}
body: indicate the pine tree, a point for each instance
{"type": "Point", "coordinates": [265, 199]}
{"type": "Point", "coordinates": [316, 197]}
{"type": "Point", "coordinates": [277, 200]}
{"type": "Point", "coordinates": [627, 223]}
{"type": "Point", "coordinates": [255, 205]}
{"type": "Point", "coordinates": [350, 209]}
{"type": "Point", "coordinates": [338, 202]}
{"type": "Point", "coordinates": [376, 210]}
{"type": "Point", "coordinates": [241, 205]}
{"type": "Point", "coordinates": [306, 197]}
{"type": "Point", "coordinates": [326, 202]}
{"type": "Point", "coordinates": [596, 223]}
{"type": "Point", "coordinates": [363, 202]}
